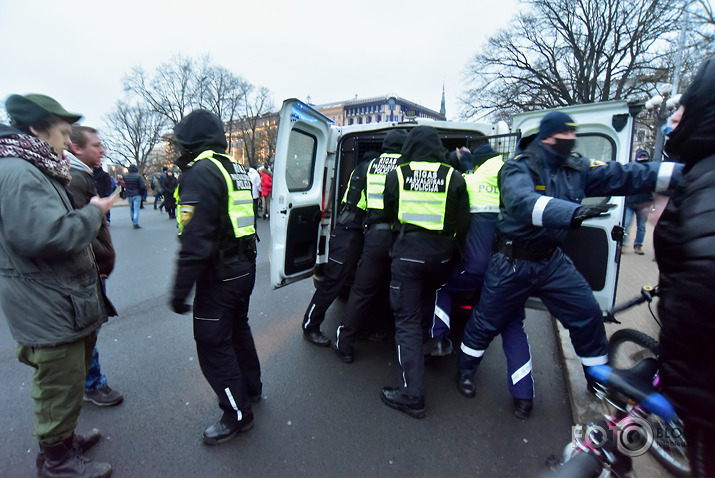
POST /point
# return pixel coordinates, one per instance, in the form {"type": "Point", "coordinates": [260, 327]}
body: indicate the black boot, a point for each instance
{"type": "Point", "coordinates": [64, 460]}
{"type": "Point", "coordinates": [414, 406]}
{"type": "Point", "coordinates": [84, 442]}
{"type": "Point", "coordinates": [226, 428]}
{"type": "Point", "coordinates": [466, 385]}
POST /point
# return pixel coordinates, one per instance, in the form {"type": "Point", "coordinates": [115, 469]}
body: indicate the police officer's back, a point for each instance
{"type": "Point", "coordinates": [428, 201]}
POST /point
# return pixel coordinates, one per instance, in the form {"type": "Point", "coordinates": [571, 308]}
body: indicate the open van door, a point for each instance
{"type": "Point", "coordinates": [604, 134]}
{"type": "Point", "coordinates": [297, 203]}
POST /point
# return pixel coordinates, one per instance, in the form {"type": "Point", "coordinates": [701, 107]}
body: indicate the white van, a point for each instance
{"type": "Point", "coordinates": [314, 159]}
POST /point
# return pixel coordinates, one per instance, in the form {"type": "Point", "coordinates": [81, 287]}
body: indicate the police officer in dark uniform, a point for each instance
{"type": "Point", "coordinates": [428, 201]}
{"type": "Point", "coordinates": [541, 194]}
{"type": "Point", "coordinates": [218, 254]}
{"type": "Point", "coordinates": [468, 276]}
{"type": "Point", "coordinates": [373, 271]}
{"type": "Point", "coordinates": [346, 242]}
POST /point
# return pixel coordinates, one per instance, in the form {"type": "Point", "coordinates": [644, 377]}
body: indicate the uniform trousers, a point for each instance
{"type": "Point", "coordinates": [369, 289]}
{"type": "Point", "coordinates": [345, 247]}
{"type": "Point", "coordinates": [562, 289]}
{"type": "Point", "coordinates": [468, 277]}
{"type": "Point", "coordinates": [420, 265]}
{"type": "Point", "coordinates": [224, 343]}
{"type": "Point", "coordinates": [58, 386]}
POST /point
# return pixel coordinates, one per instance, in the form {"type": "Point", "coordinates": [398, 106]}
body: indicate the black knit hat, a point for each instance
{"type": "Point", "coordinates": [555, 122]}
{"type": "Point", "coordinates": [30, 109]}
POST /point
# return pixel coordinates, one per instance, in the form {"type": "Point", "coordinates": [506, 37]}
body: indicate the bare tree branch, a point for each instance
{"type": "Point", "coordinates": [132, 133]}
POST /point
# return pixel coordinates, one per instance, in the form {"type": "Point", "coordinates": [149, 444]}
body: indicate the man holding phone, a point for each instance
{"type": "Point", "coordinates": [88, 151]}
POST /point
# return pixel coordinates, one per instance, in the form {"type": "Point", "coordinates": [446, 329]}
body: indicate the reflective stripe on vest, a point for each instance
{"type": "Point", "coordinates": [240, 202]}
{"type": "Point", "coordinates": [423, 190]}
{"type": "Point", "coordinates": [376, 172]}
{"type": "Point", "coordinates": [482, 186]}
{"type": "Point", "coordinates": [362, 203]}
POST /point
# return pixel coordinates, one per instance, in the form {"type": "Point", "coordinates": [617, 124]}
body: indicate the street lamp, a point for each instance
{"type": "Point", "coordinates": [661, 104]}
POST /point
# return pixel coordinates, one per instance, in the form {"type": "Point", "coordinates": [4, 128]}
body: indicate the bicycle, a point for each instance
{"type": "Point", "coordinates": [637, 418]}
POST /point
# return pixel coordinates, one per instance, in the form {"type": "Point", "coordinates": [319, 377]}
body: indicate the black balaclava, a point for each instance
{"type": "Point", "coordinates": [694, 137]}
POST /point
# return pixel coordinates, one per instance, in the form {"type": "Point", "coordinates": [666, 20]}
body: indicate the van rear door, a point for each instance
{"type": "Point", "coordinates": [297, 204]}
{"type": "Point", "coordinates": [604, 134]}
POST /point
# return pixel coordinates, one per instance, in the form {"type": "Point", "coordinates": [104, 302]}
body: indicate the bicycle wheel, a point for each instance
{"type": "Point", "coordinates": [669, 446]}
{"type": "Point", "coordinates": [628, 347]}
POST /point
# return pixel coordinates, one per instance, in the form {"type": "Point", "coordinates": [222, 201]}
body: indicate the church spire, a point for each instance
{"type": "Point", "coordinates": [443, 109]}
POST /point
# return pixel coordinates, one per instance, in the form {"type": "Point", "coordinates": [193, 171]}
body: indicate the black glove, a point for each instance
{"type": "Point", "coordinates": [587, 212]}
{"type": "Point", "coordinates": [179, 306]}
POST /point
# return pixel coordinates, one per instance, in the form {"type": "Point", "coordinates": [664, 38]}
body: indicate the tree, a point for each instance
{"type": "Point", "coordinates": [251, 124]}
{"type": "Point", "coordinates": [565, 52]}
{"type": "Point", "coordinates": [133, 131]}
{"type": "Point", "coordinates": [173, 91]}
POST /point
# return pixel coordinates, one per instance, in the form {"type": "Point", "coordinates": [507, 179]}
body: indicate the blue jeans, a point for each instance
{"type": "Point", "coordinates": [95, 379]}
{"type": "Point", "coordinates": [641, 218]}
{"type": "Point", "coordinates": [134, 203]}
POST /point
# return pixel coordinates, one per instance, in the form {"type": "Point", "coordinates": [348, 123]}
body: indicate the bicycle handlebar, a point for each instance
{"type": "Point", "coordinates": [647, 294]}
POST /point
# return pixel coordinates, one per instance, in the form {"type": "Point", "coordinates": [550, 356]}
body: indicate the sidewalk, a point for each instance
{"type": "Point", "coordinates": [635, 272]}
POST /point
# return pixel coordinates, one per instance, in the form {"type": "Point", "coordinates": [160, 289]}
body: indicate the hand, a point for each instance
{"type": "Point", "coordinates": [103, 203]}
{"type": "Point", "coordinates": [587, 212]}
{"type": "Point", "coordinates": [179, 306]}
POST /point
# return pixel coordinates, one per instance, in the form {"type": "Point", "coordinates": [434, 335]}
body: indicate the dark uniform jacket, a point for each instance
{"type": "Point", "coordinates": [207, 238]}
{"type": "Point", "coordinates": [540, 191]}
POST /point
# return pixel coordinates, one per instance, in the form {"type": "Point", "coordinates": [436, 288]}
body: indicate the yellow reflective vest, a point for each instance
{"type": "Point", "coordinates": [482, 186]}
{"type": "Point", "coordinates": [423, 190]}
{"type": "Point", "coordinates": [376, 172]}
{"type": "Point", "coordinates": [240, 201]}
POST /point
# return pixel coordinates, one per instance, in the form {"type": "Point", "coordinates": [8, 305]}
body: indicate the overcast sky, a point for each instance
{"type": "Point", "coordinates": [78, 51]}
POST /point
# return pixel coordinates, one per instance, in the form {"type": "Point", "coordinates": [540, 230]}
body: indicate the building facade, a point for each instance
{"type": "Point", "coordinates": [380, 109]}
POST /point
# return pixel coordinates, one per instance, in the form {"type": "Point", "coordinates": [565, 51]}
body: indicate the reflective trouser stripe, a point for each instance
{"type": "Point", "coordinates": [665, 172]}
{"type": "Point", "coordinates": [537, 214]}
{"type": "Point", "coordinates": [470, 351]}
{"type": "Point", "coordinates": [310, 312]}
{"type": "Point", "coordinates": [442, 315]}
{"type": "Point", "coordinates": [239, 415]}
{"type": "Point", "coordinates": [591, 361]}
{"type": "Point", "coordinates": [523, 371]}
{"type": "Point", "coordinates": [399, 359]}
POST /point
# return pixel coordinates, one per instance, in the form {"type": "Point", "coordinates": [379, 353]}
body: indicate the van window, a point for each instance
{"type": "Point", "coordinates": [596, 146]}
{"type": "Point", "coordinates": [301, 160]}
{"type": "Point", "coordinates": [599, 148]}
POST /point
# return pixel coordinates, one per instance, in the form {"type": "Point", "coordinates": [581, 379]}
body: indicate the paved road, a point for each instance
{"type": "Point", "coordinates": [318, 416]}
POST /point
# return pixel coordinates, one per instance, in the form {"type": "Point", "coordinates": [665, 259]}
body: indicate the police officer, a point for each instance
{"type": "Point", "coordinates": [373, 272]}
{"type": "Point", "coordinates": [346, 242]}
{"type": "Point", "coordinates": [428, 200]}
{"type": "Point", "coordinates": [468, 277]}
{"type": "Point", "coordinates": [541, 193]}
{"type": "Point", "coordinates": [218, 254]}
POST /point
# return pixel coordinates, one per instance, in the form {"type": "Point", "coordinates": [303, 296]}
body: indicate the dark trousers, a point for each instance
{"type": "Point", "coordinates": [372, 279]}
{"type": "Point", "coordinates": [420, 265]}
{"type": "Point", "coordinates": [564, 292]}
{"type": "Point", "coordinates": [345, 248]}
{"type": "Point", "coordinates": [224, 343]}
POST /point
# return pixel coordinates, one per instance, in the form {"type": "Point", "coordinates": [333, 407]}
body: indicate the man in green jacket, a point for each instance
{"type": "Point", "coordinates": [50, 290]}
